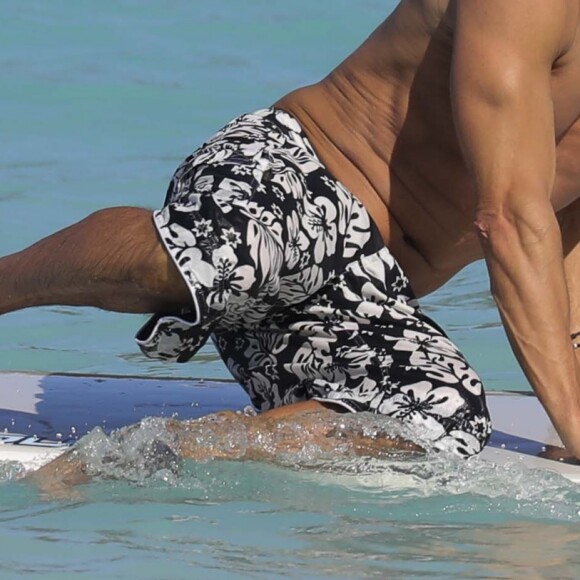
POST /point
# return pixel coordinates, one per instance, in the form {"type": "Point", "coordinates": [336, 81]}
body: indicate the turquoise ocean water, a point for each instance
{"type": "Point", "coordinates": [99, 102]}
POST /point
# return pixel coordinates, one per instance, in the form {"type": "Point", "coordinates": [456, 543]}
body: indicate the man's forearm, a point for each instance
{"type": "Point", "coordinates": [524, 258]}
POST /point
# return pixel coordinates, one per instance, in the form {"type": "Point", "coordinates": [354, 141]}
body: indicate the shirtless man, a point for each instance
{"type": "Point", "coordinates": [455, 125]}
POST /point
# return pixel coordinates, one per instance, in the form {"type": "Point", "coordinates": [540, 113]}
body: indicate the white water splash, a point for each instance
{"type": "Point", "coordinates": [146, 454]}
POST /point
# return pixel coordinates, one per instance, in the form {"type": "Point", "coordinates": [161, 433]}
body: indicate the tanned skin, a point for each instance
{"type": "Point", "coordinates": [456, 124]}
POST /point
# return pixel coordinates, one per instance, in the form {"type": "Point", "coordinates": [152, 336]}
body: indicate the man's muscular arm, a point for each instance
{"type": "Point", "coordinates": [501, 91]}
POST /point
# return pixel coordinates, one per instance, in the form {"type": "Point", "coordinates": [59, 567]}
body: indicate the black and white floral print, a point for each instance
{"type": "Point", "coordinates": [292, 280]}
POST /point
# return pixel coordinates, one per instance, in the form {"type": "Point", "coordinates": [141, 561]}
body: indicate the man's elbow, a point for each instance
{"type": "Point", "coordinates": [490, 223]}
{"type": "Point", "coordinates": [510, 227]}
{"type": "Point", "coordinates": [494, 227]}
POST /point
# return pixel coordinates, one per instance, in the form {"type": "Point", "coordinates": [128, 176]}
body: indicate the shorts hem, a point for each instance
{"type": "Point", "coordinates": [196, 307]}
{"type": "Point", "coordinates": [338, 402]}
{"type": "Point", "coordinates": [146, 335]}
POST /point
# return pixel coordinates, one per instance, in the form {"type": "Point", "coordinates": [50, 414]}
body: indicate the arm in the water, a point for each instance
{"type": "Point", "coordinates": [501, 90]}
{"type": "Point", "coordinates": [229, 435]}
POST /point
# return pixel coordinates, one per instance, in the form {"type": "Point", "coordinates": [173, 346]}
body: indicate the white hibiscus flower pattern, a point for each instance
{"type": "Point", "coordinates": [291, 278]}
{"type": "Point", "coordinates": [423, 405]}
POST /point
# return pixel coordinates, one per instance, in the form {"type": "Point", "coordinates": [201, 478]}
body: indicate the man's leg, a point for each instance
{"type": "Point", "coordinates": [113, 260]}
{"type": "Point", "coordinates": [273, 436]}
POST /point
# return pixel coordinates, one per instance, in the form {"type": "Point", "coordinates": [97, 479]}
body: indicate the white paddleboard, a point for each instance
{"type": "Point", "coordinates": [55, 410]}
{"type": "Point", "coordinates": [43, 415]}
{"type": "Point", "coordinates": [31, 451]}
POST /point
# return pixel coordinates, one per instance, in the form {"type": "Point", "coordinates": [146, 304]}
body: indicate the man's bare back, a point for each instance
{"type": "Point", "coordinates": [456, 124]}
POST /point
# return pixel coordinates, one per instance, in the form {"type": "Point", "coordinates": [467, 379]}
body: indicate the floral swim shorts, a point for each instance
{"type": "Point", "coordinates": [292, 280]}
